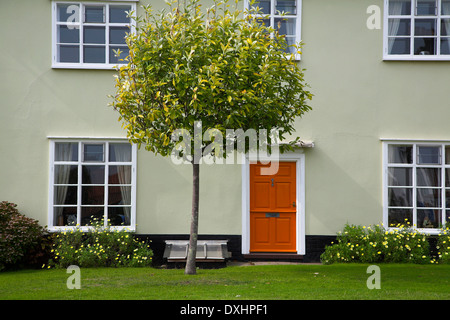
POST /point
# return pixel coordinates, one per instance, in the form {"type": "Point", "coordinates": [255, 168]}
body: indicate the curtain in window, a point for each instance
{"type": "Point", "coordinates": [395, 8]}
{"type": "Point", "coordinates": [122, 152]}
{"type": "Point", "coordinates": [446, 11]}
{"type": "Point", "coordinates": [63, 152]}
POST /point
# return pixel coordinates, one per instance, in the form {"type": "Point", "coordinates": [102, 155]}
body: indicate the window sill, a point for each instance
{"type": "Point", "coordinates": [415, 58]}
{"type": "Point", "coordinates": [424, 231]}
{"type": "Point", "coordinates": [89, 228]}
{"type": "Point", "coordinates": [90, 66]}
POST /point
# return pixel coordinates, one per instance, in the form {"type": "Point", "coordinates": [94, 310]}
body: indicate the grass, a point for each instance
{"type": "Point", "coordinates": [262, 282]}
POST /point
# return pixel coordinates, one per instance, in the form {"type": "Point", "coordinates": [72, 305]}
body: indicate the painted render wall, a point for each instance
{"type": "Point", "coordinates": [359, 98]}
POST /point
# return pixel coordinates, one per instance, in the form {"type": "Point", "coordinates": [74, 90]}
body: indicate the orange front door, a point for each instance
{"type": "Point", "coordinates": [273, 209]}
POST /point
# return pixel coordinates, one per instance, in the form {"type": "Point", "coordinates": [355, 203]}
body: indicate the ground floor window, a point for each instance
{"type": "Point", "coordinates": [417, 184]}
{"type": "Point", "coordinates": [92, 179]}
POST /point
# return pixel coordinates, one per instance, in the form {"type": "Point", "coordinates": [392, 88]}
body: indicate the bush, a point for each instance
{"type": "Point", "coordinates": [443, 245]}
{"type": "Point", "coordinates": [377, 244]}
{"type": "Point", "coordinates": [99, 247]}
{"type": "Point", "coordinates": [20, 237]}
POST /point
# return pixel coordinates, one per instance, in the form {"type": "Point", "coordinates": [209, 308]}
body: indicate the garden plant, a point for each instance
{"type": "Point", "coordinates": [100, 246]}
{"type": "Point", "coordinates": [375, 244]}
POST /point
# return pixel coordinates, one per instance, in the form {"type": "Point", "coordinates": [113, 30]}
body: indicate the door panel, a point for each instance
{"type": "Point", "coordinates": [273, 209]}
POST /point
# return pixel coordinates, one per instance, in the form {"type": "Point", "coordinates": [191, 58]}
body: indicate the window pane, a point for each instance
{"type": "Point", "coordinates": [399, 45]}
{"type": "Point", "coordinates": [119, 175]}
{"type": "Point", "coordinates": [124, 52]}
{"type": "Point", "coordinates": [264, 6]}
{"type": "Point", "coordinates": [445, 46]}
{"type": "Point", "coordinates": [400, 197]}
{"type": "Point", "coordinates": [117, 35]}
{"type": "Point", "coordinates": [429, 218]}
{"type": "Point", "coordinates": [447, 178]}
{"type": "Point", "coordinates": [117, 14]}
{"type": "Point", "coordinates": [447, 198]}
{"type": "Point", "coordinates": [447, 154]}
{"type": "Point", "coordinates": [400, 7]}
{"type": "Point", "coordinates": [90, 213]}
{"type": "Point", "coordinates": [65, 195]}
{"type": "Point", "coordinates": [399, 27]}
{"type": "Point", "coordinates": [424, 46]}
{"type": "Point", "coordinates": [285, 26]}
{"type": "Point", "coordinates": [400, 176]}
{"type": "Point", "coordinates": [94, 14]}
{"type": "Point", "coordinates": [93, 174]}
{"type": "Point", "coordinates": [290, 41]}
{"type": "Point", "coordinates": [425, 27]}
{"type": "Point", "coordinates": [445, 7]}
{"type": "Point", "coordinates": [399, 154]}
{"type": "Point", "coordinates": [68, 35]}
{"type": "Point", "coordinates": [287, 6]}
{"type": "Point", "coordinates": [92, 195]}
{"type": "Point", "coordinates": [426, 7]}
{"type": "Point", "coordinates": [65, 216]}
{"type": "Point", "coordinates": [94, 54]}
{"type": "Point", "coordinates": [429, 177]}
{"type": "Point", "coordinates": [94, 35]}
{"type": "Point", "coordinates": [120, 195]}
{"type": "Point", "coordinates": [93, 152]}
{"type": "Point", "coordinates": [66, 151]}
{"type": "Point", "coordinates": [69, 53]}
{"type": "Point", "coordinates": [399, 216]}
{"type": "Point", "coordinates": [445, 27]}
{"type": "Point", "coordinates": [66, 174]}
{"type": "Point", "coordinates": [68, 12]}
{"type": "Point", "coordinates": [429, 198]}
{"type": "Point", "coordinates": [120, 152]}
{"type": "Point", "coordinates": [429, 155]}
{"type": "Point", "coordinates": [119, 216]}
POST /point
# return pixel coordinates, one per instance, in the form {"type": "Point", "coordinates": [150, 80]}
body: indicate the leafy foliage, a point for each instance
{"type": "Point", "coordinates": [221, 67]}
{"type": "Point", "coordinates": [100, 247]}
{"type": "Point", "coordinates": [373, 244]}
{"type": "Point", "coordinates": [20, 236]}
{"type": "Point", "coordinates": [443, 245]}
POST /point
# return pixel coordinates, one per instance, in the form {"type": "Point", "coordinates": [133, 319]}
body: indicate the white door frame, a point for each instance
{"type": "Point", "coordinates": [299, 159]}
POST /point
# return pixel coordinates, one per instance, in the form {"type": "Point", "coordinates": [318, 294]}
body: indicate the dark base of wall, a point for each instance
{"type": "Point", "coordinates": [315, 245]}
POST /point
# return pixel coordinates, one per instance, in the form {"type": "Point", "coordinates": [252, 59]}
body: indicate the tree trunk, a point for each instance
{"type": "Point", "coordinates": [192, 252]}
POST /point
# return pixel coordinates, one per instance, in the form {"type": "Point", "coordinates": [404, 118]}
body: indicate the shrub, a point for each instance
{"type": "Point", "coordinates": [99, 247]}
{"type": "Point", "coordinates": [20, 237]}
{"type": "Point", "coordinates": [443, 245]}
{"type": "Point", "coordinates": [376, 244]}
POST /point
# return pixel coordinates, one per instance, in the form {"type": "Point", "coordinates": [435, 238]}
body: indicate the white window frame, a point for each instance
{"type": "Point", "coordinates": [274, 16]}
{"type": "Point", "coordinates": [412, 56]}
{"type": "Point", "coordinates": [82, 65]}
{"type": "Point", "coordinates": [443, 188]}
{"type": "Point", "coordinates": [79, 163]}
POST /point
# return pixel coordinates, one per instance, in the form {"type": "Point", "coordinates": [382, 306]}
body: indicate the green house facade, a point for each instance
{"type": "Point", "coordinates": [375, 147]}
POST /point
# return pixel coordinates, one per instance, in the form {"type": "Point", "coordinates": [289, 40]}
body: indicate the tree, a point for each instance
{"type": "Point", "coordinates": [221, 68]}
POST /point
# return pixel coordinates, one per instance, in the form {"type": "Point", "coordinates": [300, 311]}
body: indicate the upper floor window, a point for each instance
{"type": "Point", "coordinates": [417, 30]}
{"type": "Point", "coordinates": [282, 15]}
{"type": "Point", "coordinates": [89, 34]}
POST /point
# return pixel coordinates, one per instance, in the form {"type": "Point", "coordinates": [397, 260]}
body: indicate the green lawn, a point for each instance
{"type": "Point", "coordinates": [262, 282]}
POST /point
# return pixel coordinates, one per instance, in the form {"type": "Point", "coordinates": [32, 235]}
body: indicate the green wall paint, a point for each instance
{"type": "Point", "coordinates": [359, 98]}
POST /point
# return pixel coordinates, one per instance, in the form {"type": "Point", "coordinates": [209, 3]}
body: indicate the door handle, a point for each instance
{"type": "Point", "coordinates": [272, 182]}
{"type": "Point", "coordinates": [294, 204]}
